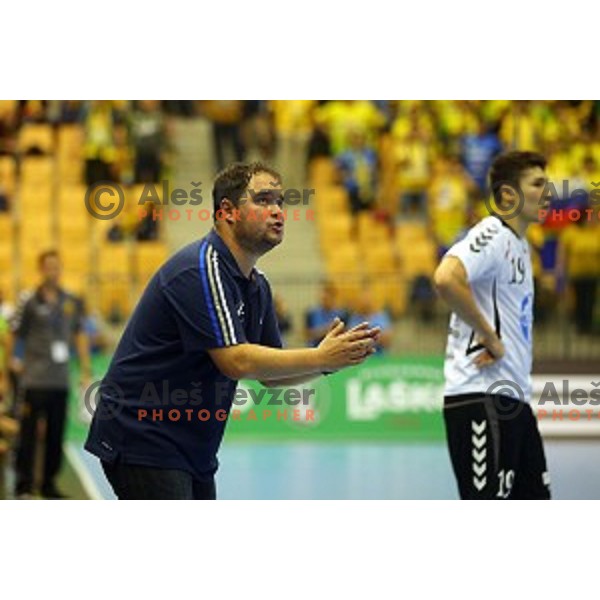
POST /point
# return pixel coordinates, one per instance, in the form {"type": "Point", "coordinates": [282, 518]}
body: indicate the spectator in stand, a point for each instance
{"type": "Point", "coordinates": [70, 111]}
{"type": "Point", "coordinates": [226, 117]}
{"type": "Point", "coordinates": [33, 111]}
{"type": "Point", "coordinates": [147, 229]}
{"type": "Point", "coordinates": [367, 311]}
{"type": "Point", "coordinates": [258, 131]}
{"type": "Point", "coordinates": [100, 148]}
{"type": "Point", "coordinates": [358, 168]}
{"type": "Point", "coordinates": [292, 125]}
{"type": "Point", "coordinates": [449, 202]}
{"type": "Point", "coordinates": [414, 159]}
{"type": "Point", "coordinates": [9, 121]}
{"type": "Point", "coordinates": [319, 144]}
{"type": "Point", "coordinates": [4, 199]}
{"type": "Point", "coordinates": [319, 318]}
{"type": "Point", "coordinates": [579, 265]}
{"type": "Point", "coordinates": [148, 138]}
{"type": "Point", "coordinates": [478, 152]}
{"type": "Point", "coordinates": [518, 127]}
{"type": "Point", "coordinates": [340, 117]}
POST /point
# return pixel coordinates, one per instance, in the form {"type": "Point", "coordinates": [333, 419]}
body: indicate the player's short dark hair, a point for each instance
{"type": "Point", "coordinates": [508, 168]}
{"type": "Point", "coordinates": [47, 254]}
{"type": "Point", "coordinates": [232, 182]}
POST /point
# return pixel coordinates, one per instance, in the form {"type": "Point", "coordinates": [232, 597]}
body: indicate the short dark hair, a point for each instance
{"type": "Point", "coordinates": [233, 181]}
{"type": "Point", "coordinates": [508, 168]}
{"type": "Point", "coordinates": [47, 254]}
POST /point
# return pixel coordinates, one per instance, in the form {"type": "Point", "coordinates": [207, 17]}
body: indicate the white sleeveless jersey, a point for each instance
{"type": "Point", "coordinates": [498, 265]}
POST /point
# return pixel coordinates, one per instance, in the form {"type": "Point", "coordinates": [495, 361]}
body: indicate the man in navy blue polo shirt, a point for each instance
{"type": "Point", "coordinates": [205, 321]}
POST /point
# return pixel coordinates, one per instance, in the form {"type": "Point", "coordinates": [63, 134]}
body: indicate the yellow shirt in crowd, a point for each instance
{"type": "Point", "coordinates": [581, 246]}
{"type": "Point", "coordinates": [341, 117]}
{"type": "Point", "coordinates": [292, 116]}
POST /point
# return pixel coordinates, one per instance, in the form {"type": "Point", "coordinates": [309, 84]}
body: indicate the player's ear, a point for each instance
{"type": "Point", "coordinates": [507, 196]}
{"type": "Point", "coordinates": [227, 208]}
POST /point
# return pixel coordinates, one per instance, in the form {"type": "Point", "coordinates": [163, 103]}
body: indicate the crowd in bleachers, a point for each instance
{"type": "Point", "coordinates": [398, 182]}
{"type": "Point", "coordinates": [51, 152]}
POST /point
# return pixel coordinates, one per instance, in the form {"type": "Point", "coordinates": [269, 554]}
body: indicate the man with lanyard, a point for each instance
{"type": "Point", "coordinates": [46, 326]}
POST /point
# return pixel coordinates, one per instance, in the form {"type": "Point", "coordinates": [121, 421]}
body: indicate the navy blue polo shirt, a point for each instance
{"type": "Point", "coordinates": [163, 402]}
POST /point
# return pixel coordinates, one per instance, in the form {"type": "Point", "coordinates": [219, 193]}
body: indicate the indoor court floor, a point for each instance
{"type": "Point", "coordinates": [328, 471]}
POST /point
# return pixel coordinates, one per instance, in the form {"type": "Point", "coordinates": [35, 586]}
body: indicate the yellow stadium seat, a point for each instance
{"type": "Point", "coordinates": [34, 198]}
{"type": "Point", "coordinates": [37, 231]}
{"type": "Point", "coordinates": [76, 283]}
{"type": "Point", "coordinates": [330, 200]}
{"type": "Point", "coordinates": [34, 135]}
{"type": "Point", "coordinates": [337, 228]}
{"type": "Point", "coordinates": [76, 258]}
{"type": "Point", "coordinates": [6, 228]}
{"type": "Point", "coordinates": [70, 140]}
{"type": "Point", "coordinates": [6, 257]}
{"type": "Point", "coordinates": [8, 174]}
{"type": "Point", "coordinates": [379, 258]}
{"type": "Point", "coordinates": [322, 171]}
{"type": "Point", "coordinates": [114, 260]}
{"type": "Point", "coordinates": [74, 216]}
{"type": "Point", "coordinates": [371, 230]}
{"type": "Point", "coordinates": [410, 232]}
{"type": "Point", "coordinates": [397, 294]}
{"type": "Point", "coordinates": [115, 295]}
{"type": "Point", "coordinates": [77, 265]}
{"type": "Point", "coordinates": [71, 197]}
{"type": "Point", "coordinates": [421, 259]}
{"type": "Point", "coordinates": [37, 170]}
{"type": "Point", "coordinates": [69, 170]}
{"type": "Point", "coordinates": [7, 286]}
{"type": "Point", "coordinates": [74, 233]}
{"type": "Point", "coordinates": [148, 257]}
{"type": "Point", "coordinates": [29, 273]}
{"type": "Point", "coordinates": [344, 270]}
{"type": "Point", "coordinates": [347, 288]}
{"type": "Point", "coordinates": [36, 220]}
{"type": "Point", "coordinates": [8, 108]}
{"type": "Point", "coordinates": [346, 258]}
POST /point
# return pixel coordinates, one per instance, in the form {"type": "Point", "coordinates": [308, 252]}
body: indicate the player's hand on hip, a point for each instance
{"type": "Point", "coordinates": [494, 351]}
{"type": "Point", "coordinates": [342, 349]}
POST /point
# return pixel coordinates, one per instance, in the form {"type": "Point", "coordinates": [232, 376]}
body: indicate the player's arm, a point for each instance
{"type": "Point", "coordinates": [452, 284]}
{"type": "Point", "coordinates": [337, 350]}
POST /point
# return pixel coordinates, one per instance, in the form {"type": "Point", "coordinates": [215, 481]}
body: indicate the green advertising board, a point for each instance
{"type": "Point", "coordinates": [384, 399]}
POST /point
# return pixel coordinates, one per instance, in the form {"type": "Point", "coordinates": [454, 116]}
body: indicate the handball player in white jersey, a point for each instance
{"type": "Point", "coordinates": [486, 279]}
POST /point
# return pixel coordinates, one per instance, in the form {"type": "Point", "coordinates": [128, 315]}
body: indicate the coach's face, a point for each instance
{"type": "Point", "coordinates": [260, 226]}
